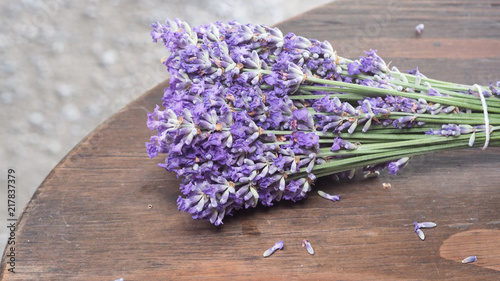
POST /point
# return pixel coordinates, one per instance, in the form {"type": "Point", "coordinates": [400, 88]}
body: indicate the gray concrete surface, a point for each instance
{"type": "Point", "coordinates": [67, 65]}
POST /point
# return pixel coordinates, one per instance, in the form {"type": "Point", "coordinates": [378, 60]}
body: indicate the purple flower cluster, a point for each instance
{"type": "Point", "coordinates": [213, 127]}
{"type": "Point", "coordinates": [371, 63]}
{"type": "Point", "coordinates": [236, 129]}
{"type": "Point", "coordinates": [452, 130]}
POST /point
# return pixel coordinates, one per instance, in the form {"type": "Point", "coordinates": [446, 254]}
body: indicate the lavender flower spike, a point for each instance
{"type": "Point", "coordinates": [328, 196]}
{"type": "Point", "coordinates": [470, 259]}
{"type": "Point", "coordinates": [270, 251]}
{"type": "Point", "coordinates": [309, 248]}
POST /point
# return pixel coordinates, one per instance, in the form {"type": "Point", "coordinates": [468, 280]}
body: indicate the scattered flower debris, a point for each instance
{"type": "Point", "coordinates": [270, 251]}
{"type": "Point", "coordinates": [328, 196]}
{"type": "Point", "coordinates": [420, 234]}
{"type": "Point", "coordinates": [419, 28]}
{"type": "Point", "coordinates": [371, 174]}
{"type": "Point", "coordinates": [150, 206]}
{"type": "Point", "coordinates": [386, 185]}
{"type": "Point", "coordinates": [309, 248]}
{"type": "Point", "coordinates": [419, 225]}
{"type": "Point", "coordinates": [470, 259]}
{"type": "Point", "coordinates": [426, 224]}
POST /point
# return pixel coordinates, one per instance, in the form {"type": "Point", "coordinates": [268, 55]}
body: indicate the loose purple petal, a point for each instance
{"type": "Point", "coordinates": [328, 196]}
{"type": "Point", "coordinates": [470, 259]}
{"type": "Point", "coordinates": [270, 251]}
{"type": "Point", "coordinates": [419, 28]}
{"type": "Point", "coordinates": [419, 225]}
{"type": "Point", "coordinates": [420, 234]}
{"type": "Point", "coordinates": [427, 224]}
{"type": "Point", "coordinates": [309, 248]}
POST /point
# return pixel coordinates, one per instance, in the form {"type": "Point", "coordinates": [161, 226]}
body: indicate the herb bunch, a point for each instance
{"type": "Point", "coordinates": [254, 116]}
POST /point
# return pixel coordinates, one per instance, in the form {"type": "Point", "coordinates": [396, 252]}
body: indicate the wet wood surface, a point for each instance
{"type": "Point", "coordinates": [108, 211]}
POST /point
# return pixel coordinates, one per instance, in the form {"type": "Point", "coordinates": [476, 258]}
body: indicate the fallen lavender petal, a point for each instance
{"type": "Point", "coordinates": [470, 259]}
{"type": "Point", "coordinates": [420, 234]}
{"type": "Point", "coordinates": [419, 28]}
{"type": "Point", "coordinates": [270, 251]}
{"type": "Point", "coordinates": [328, 196]}
{"type": "Point", "coordinates": [309, 248]}
{"type": "Point", "coordinates": [426, 224]}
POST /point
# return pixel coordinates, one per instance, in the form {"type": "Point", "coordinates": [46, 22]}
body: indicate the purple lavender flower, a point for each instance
{"type": "Point", "coordinates": [175, 34]}
{"type": "Point", "coordinates": [302, 120]}
{"type": "Point", "coordinates": [372, 63]}
{"type": "Point", "coordinates": [327, 123]}
{"type": "Point", "coordinates": [152, 149]}
{"type": "Point", "coordinates": [435, 93]}
{"type": "Point", "coordinates": [353, 68]}
{"type": "Point", "coordinates": [339, 143]}
{"type": "Point", "coordinates": [394, 167]}
{"type": "Point", "coordinates": [242, 34]}
{"type": "Point", "coordinates": [405, 121]}
{"type": "Point", "coordinates": [495, 90]}
{"type": "Point", "coordinates": [451, 130]}
{"type": "Point", "coordinates": [304, 140]}
{"type": "Point", "coordinates": [298, 189]}
{"type": "Point", "coordinates": [416, 72]}
{"type": "Point", "coordinates": [293, 41]}
{"type": "Point", "coordinates": [286, 77]}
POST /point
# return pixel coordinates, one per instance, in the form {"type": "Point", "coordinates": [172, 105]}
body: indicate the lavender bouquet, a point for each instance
{"type": "Point", "coordinates": [252, 116]}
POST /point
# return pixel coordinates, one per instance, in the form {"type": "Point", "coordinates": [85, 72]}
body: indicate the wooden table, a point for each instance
{"type": "Point", "coordinates": [107, 211]}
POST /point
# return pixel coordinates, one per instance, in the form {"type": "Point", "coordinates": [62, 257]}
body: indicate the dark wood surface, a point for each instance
{"type": "Point", "coordinates": [107, 211]}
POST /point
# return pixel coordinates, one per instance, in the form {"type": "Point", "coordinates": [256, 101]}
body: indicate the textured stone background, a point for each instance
{"type": "Point", "coordinates": [68, 65]}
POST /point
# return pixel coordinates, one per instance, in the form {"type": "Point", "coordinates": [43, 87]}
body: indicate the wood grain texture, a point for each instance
{"type": "Point", "coordinates": [482, 243]}
{"type": "Point", "coordinates": [91, 219]}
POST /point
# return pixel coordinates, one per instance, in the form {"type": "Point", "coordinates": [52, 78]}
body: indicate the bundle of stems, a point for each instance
{"type": "Point", "coordinates": [253, 116]}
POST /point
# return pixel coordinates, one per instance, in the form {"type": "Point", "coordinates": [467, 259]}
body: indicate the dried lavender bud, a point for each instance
{"type": "Point", "coordinates": [394, 167]}
{"type": "Point", "coordinates": [419, 28]}
{"type": "Point", "coordinates": [470, 259]}
{"type": "Point", "coordinates": [426, 225]}
{"type": "Point", "coordinates": [420, 225]}
{"type": "Point", "coordinates": [270, 251]}
{"type": "Point", "coordinates": [328, 196]}
{"type": "Point", "coordinates": [420, 234]}
{"type": "Point", "coordinates": [309, 248]}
